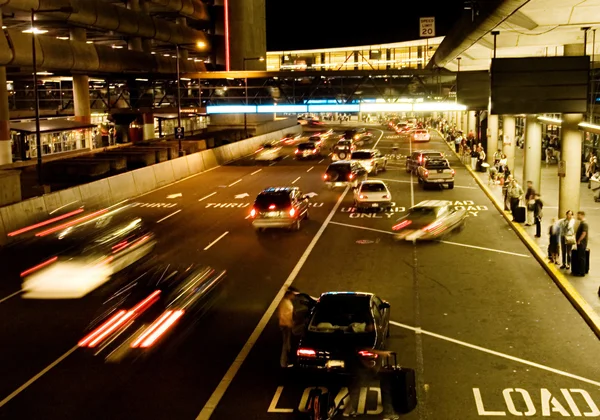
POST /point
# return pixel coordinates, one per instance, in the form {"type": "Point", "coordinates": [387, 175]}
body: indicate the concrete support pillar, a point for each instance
{"type": "Point", "coordinates": [135, 42]}
{"type": "Point", "coordinates": [532, 165]}
{"type": "Point", "coordinates": [473, 123]}
{"type": "Point", "coordinates": [5, 147]}
{"type": "Point", "coordinates": [508, 140]}
{"type": "Point", "coordinates": [81, 85]}
{"type": "Point", "coordinates": [148, 120]}
{"type": "Point", "coordinates": [465, 122]}
{"type": "Point", "coordinates": [569, 186]}
{"type": "Point", "coordinates": [492, 140]}
{"type": "Point", "coordinates": [455, 118]}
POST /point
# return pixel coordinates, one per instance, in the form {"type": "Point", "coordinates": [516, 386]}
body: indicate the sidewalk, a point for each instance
{"type": "Point", "coordinates": [586, 286]}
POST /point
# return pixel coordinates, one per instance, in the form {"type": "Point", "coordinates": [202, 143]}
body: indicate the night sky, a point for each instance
{"type": "Point", "coordinates": [308, 24]}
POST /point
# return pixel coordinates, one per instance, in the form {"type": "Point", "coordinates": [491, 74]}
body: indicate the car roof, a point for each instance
{"type": "Point", "coordinates": [272, 190]}
{"type": "Point", "coordinates": [348, 295]}
{"type": "Point", "coordinates": [373, 181]}
{"type": "Point", "coordinates": [432, 203]}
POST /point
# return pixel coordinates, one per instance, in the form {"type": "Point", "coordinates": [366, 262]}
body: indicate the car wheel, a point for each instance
{"type": "Point", "coordinates": [451, 185]}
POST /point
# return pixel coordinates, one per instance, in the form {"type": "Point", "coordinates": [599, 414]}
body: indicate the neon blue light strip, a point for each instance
{"type": "Point", "coordinates": [231, 109]}
{"type": "Point", "coordinates": [334, 108]}
{"type": "Point", "coordinates": [300, 109]}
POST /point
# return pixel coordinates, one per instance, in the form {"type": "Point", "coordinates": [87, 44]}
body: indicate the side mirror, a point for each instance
{"type": "Point", "coordinates": [384, 305]}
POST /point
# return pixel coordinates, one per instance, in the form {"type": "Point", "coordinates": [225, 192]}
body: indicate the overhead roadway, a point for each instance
{"type": "Point", "coordinates": [527, 28]}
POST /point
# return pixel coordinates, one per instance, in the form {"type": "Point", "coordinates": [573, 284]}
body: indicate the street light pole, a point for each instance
{"type": "Point", "coordinates": [38, 137]}
{"type": "Point", "coordinates": [178, 98]}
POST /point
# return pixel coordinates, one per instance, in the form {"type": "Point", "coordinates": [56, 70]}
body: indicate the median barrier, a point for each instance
{"type": "Point", "coordinates": [163, 173]}
{"type": "Point", "coordinates": [209, 158]}
{"type": "Point", "coordinates": [122, 187]}
{"type": "Point", "coordinates": [96, 194]}
{"type": "Point", "coordinates": [23, 213]}
{"type": "Point", "coordinates": [195, 163]}
{"type": "Point", "coordinates": [135, 158]}
{"type": "Point", "coordinates": [70, 197]}
{"type": "Point", "coordinates": [180, 168]}
{"type": "Point", "coordinates": [144, 180]}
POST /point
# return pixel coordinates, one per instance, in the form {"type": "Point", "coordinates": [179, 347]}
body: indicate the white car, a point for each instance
{"type": "Point", "coordinates": [420, 135]}
{"type": "Point", "coordinates": [371, 159]}
{"type": "Point", "coordinates": [268, 152]}
{"type": "Point", "coordinates": [372, 193]}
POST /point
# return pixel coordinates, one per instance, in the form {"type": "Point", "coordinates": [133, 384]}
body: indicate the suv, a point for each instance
{"type": "Point", "coordinates": [436, 171]}
{"type": "Point", "coordinates": [371, 159]}
{"type": "Point", "coordinates": [342, 150]}
{"type": "Point", "coordinates": [417, 158]}
{"type": "Point", "coordinates": [358, 135]}
{"type": "Point", "coordinates": [308, 150]}
{"type": "Point", "coordinates": [343, 172]}
{"type": "Point", "coordinates": [283, 207]}
{"type": "Point", "coordinates": [372, 193]}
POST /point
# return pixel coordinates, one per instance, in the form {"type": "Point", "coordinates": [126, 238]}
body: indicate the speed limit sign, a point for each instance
{"type": "Point", "coordinates": [427, 27]}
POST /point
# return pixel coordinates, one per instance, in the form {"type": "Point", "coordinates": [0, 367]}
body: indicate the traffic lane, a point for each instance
{"type": "Point", "coordinates": [231, 325]}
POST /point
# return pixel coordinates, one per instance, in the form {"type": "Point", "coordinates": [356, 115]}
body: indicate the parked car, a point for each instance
{"type": "Point", "coordinates": [429, 220]}
{"type": "Point", "coordinates": [436, 171]}
{"type": "Point", "coordinates": [281, 207]}
{"type": "Point", "coordinates": [371, 159]}
{"type": "Point", "coordinates": [416, 159]}
{"type": "Point", "coordinates": [372, 193]}
{"type": "Point", "coordinates": [343, 173]}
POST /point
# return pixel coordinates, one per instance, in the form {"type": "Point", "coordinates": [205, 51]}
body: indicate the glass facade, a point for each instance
{"type": "Point", "coordinates": [24, 143]}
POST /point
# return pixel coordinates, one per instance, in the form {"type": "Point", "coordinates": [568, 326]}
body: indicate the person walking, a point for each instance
{"type": "Point", "coordinates": [530, 195]}
{"type": "Point", "coordinates": [457, 140]}
{"type": "Point", "coordinates": [285, 313]}
{"type": "Point", "coordinates": [567, 239]}
{"type": "Point", "coordinates": [505, 187]}
{"type": "Point", "coordinates": [554, 233]}
{"type": "Point", "coordinates": [538, 205]}
{"type": "Point", "coordinates": [582, 239]}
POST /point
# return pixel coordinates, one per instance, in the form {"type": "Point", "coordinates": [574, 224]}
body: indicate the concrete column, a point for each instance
{"type": "Point", "coordinates": [146, 43]}
{"type": "Point", "coordinates": [135, 42]}
{"type": "Point", "coordinates": [455, 118]}
{"type": "Point", "coordinates": [492, 145]}
{"type": "Point", "coordinates": [247, 33]}
{"type": "Point", "coordinates": [5, 147]}
{"type": "Point", "coordinates": [81, 85]}
{"type": "Point", "coordinates": [473, 123]}
{"type": "Point", "coordinates": [148, 119]}
{"type": "Point", "coordinates": [508, 140]}
{"type": "Point", "coordinates": [532, 165]}
{"type": "Point", "coordinates": [465, 122]}
{"type": "Point", "coordinates": [569, 186]}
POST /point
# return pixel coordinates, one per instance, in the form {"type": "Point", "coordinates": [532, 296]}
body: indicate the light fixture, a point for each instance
{"type": "Point", "coordinates": [44, 73]}
{"type": "Point", "coordinates": [35, 31]}
{"type": "Point", "coordinates": [550, 120]}
{"type": "Point", "coordinates": [89, 42]}
{"type": "Point", "coordinates": [166, 55]}
{"type": "Point", "coordinates": [152, 53]}
{"type": "Point", "coordinates": [117, 47]}
{"type": "Point", "coordinates": [142, 80]}
{"type": "Point", "coordinates": [62, 37]}
{"type": "Point", "coordinates": [3, 26]}
{"type": "Point", "coordinates": [201, 44]}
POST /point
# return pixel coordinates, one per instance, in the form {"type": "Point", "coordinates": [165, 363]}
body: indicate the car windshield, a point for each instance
{"type": "Point", "coordinates": [265, 201]}
{"type": "Point", "coordinates": [350, 314]}
{"type": "Point", "coordinates": [373, 187]}
{"type": "Point", "coordinates": [306, 146]}
{"type": "Point", "coordinates": [437, 164]}
{"type": "Point", "coordinates": [340, 169]}
{"type": "Point", "coordinates": [433, 156]}
{"type": "Point", "coordinates": [361, 155]}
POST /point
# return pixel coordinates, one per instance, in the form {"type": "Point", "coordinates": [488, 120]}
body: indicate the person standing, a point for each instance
{"type": "Point", "coordinates": [582, 239]}
{"type": "Point", "coordinates": [530, 201]}
{"type": "Point", "coordinates": [457, 141]}
{"type": "Point", "coordinates": [538, 205]}
{"type": "Point", "coordinates": [515, 194]}
{"type": "Point", "coordinates": [285, 313]}
{"type": "Point", "coordinates": [474, 157]}
{"type": "Point", "coordinates": [567, 239]}
{"type": "Point", "coordinates": [554, 233]}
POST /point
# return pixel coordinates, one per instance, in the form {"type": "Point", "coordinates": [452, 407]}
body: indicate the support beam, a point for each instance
{"type": "Point", "coordinates": [569, 186]}
{"type": "Point", "coordinates": [492, 141]}
{"type": "Point", "coordinates": [81, 85]}
{"type": "Point", "coordinates": [532, 165]}
{"type": "Point", "coordinates": [508, 141]}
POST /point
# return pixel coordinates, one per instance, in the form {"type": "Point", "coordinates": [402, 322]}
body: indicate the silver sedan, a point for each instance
{"type": "Point", "coordinates": [429, 220]}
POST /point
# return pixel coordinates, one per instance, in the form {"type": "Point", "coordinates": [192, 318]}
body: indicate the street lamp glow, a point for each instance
{"type": "Point", "coordinates": [261, 58]}
{"type": "Point", "coordinates": [35, 31]}
{"type": "Point", "coordinates": [201, 44]}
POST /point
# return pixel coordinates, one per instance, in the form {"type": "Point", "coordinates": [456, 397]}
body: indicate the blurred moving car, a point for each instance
{"type": "Point", "coordinates": [371, 159]}
{"type": "Point", "coordinates": [87, 254]}
{"type": "Point", "coordinates": [372, 193]}
{"type": "Point", "coordinates": [308, 150]}
{"type": "Point", "coordinates": [268, 152]}
{"type": "Point", "coordinates": [323, 135]}
{"type": "Point", "coordinates": [429, 220]}
{"type": "Point", "coordinates": [436, 171]}
{"type": "Point", "coordinates": [281, 207]}
{"type": "Point", "coordinates": [420, 135]}
{"type": "Point", "coordinates": [417, 158]}
{"type": "Point", "coordinates": [342, 150]}
{"type": "Point", "coordinates": [342, 325]}
{"type": "Point", "coordinates": [155, 307]}
{"type": "Point", "coordinates": [290, 138]}
{"type": "Point", "coordinates": [358, 135]}
{"type": "Point", "coordinates": [343, 173]}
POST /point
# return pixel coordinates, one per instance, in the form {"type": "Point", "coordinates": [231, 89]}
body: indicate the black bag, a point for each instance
{"type": "Point", "coordinates": [398, 385]}
{"type": "Point", "coordinates": [520, 214]}
{"type": "Point", "coordinates": [575, 262]}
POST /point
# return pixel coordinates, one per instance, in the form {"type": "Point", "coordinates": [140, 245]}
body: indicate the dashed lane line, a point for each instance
{"type": "Point", "coordinates": [255, 172]}
{"type": "Point", "coordinates": [207, 196]}
{"type": "Point", "coordinates": [271, 164]}
{"type": "Point", "coordinates": [379, 139]}
{"type": "Point", "coordinates": [321, 161]}
{"type": "Point", "coordinates": [221, 388]}
{"type": "Point", "coordinates": [496, 353]}
{"type": "Point", "coordinates": [500, 251]}
{"type": "Point", "coordinates": [235, 182]}
{"type": "Point", "coordinates": [4, 299]}
{"type": "Point", "coordinates": [166, 217]}
{"type": "Point", "coordinates": [310, 169]}
{"type": "Point", "coordinates": [215, 241]}
{"type": "Point", "coordinates": [295, 180]}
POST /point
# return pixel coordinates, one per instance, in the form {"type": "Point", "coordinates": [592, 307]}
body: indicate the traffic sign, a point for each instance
{"type": "Point", "coordinates": [179, 131]}
{"type": "Point", "coordinates": [427, 27]}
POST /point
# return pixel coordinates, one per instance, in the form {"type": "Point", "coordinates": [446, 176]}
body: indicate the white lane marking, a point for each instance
{"type": "Point", "coordinates": [220, 390]}
{"type": "Point", "coordinates": [442, 242]}
{"type": "Point", "coordinates": [310, 169]}
{"type": "Point", "coordinates": [62, 207]}
{"type": "Point", "coordinates": [294, 181]}
{"type": "Point", "coordinates": [247, 217]}
{"type": "Point", "coordinates": [4, 299]}
{"type": "Point", "coordinates": [407, 182]}
{"type": "Point", "coordinates": [379, 139]}
{"type": "Point", "coordinates": [285, 157]}
{"type": "Point", "coordinates": [496, 353]}
{"type": "Point", "coordinates": [272, 164]}
{"type": "Point", "coordinates": [177, 182]}
{"type": "Point", "coordinates": [172, 214]}
{"type": "Point", "coordinates": [321, 161]}
{"type": "Point", "coordinates": [215, 241]}
{"type": "Point", "coordinates": [207, 196]}
{"type": "Point", "coordinates": [233, 183]}
{"type": "Point", "coordinates": [36, 377]}
{"type": "Point", "coordinates": [255, 172]}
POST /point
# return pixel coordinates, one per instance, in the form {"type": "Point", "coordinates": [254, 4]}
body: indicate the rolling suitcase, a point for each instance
{"type": "Point", "coordinates": [575, 262]}
{"type": "Point", "coordinates": [398, 385]}
{"type": "Point", "coordinates": [520, 215]}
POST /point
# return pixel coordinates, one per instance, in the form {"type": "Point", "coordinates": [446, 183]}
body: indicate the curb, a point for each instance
{"type": "Point", "coordinates": [585, 310]}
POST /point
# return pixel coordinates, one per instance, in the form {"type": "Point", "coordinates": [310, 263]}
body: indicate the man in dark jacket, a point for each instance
{"type": "Point", "coordinates": [582, 238]}
{"type": "Point", "coordinates": [538, 205]}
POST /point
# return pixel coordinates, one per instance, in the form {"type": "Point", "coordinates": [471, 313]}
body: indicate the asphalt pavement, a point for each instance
{"type": "Point", "coordinates": [487, 331]}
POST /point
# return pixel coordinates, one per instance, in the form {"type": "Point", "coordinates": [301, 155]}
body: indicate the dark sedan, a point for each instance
{"type": "Point", "coordinates": [343, 325]}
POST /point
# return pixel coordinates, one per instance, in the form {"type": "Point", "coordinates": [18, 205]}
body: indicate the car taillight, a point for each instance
{"type": "Point", "coordinates": [37, 267]}
{"type": "Point", "coordinates": [356, 137]}
{"type": "Point", "coordinates": [350, 176]}
{"type": "Point", "coordinates": [401, 225]}
{"type": "Point", "coordinates": [453, 172]}
{"type": "Point", "coordinates": [363, 196]}
{"type": "Point", "coordinates": [433, 226]}
{"type": "Point", "coordinates": [420, 159]}
{"type": "Point", "coordinates": [325, 176]}
{"type": "Point", "coordinates": [292, 212]}
{"type": "Point", "coordinates": [366, 353]}
{"type": "Point", "coordinates": [314, 151]}
{"type": "Point", "coordinates": [386, 196]}
{"type": "Point", "coordinates": [426, 173]}
{"type": "Point", "coordinates": [297, 151]}
{"type": "Point", "coordinates": [272, 207]}
{"type": "Point", "coordinates": [253, 213]}
{"type": "Point", "coordinates": [303, 352]}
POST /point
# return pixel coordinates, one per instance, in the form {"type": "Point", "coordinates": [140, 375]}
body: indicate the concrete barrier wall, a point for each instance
{"type": "Point", "coordinates": [113, 190]}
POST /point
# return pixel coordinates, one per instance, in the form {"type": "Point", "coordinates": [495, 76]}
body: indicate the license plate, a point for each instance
{"type": "Point", "coordinates": [440, 171]}
{"type": "Point", "coordinates": [273, 214]}
{"type": "Point", "coordinates": [335, 364]}
{"type": "Point", "coordinates": [374, 205]}
{"type": "Point", "coordinates": [339, 184]}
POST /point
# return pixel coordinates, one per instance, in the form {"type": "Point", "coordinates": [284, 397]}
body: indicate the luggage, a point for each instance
{"type": "Point", "coordinates": [520, 215]}
{"type": "Point", "coordinates": [575, 262]}
{"type": "Point", "coordinates": [398, 385]}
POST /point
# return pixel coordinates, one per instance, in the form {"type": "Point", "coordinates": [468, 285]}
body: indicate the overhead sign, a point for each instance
{"type": "Point", "coordinates": [179, 131]}
{"type": "Point", "coordinates": [427, 27]}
